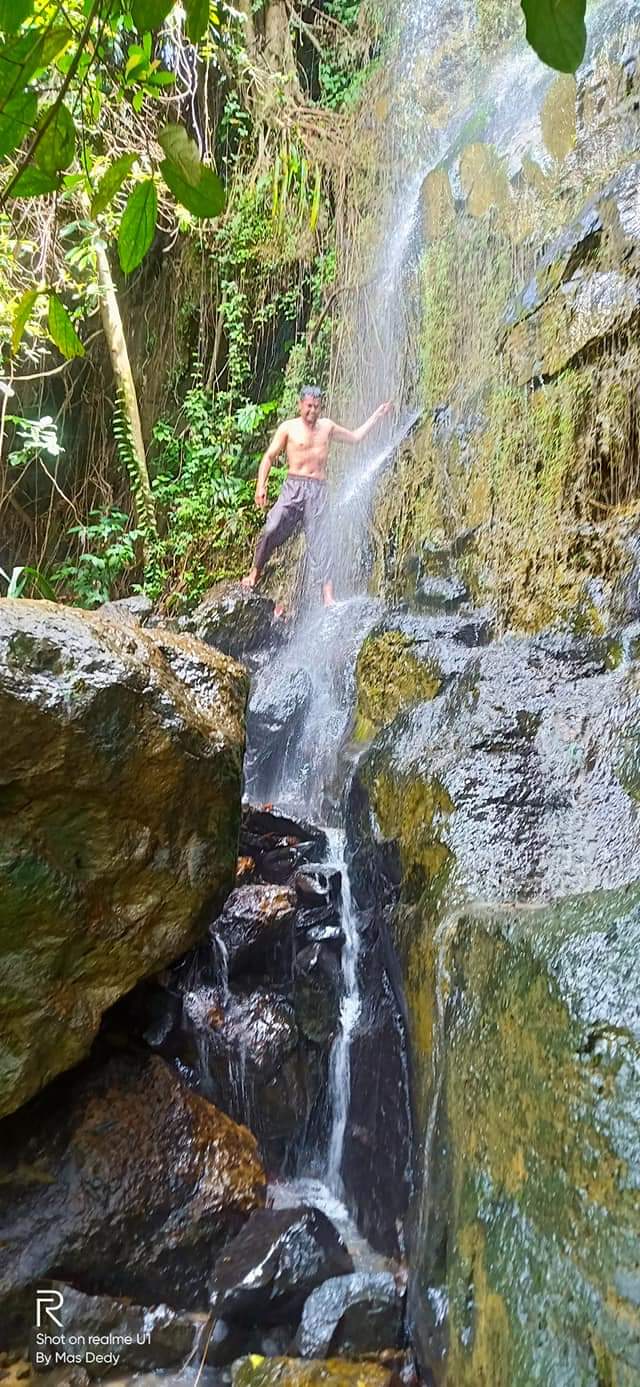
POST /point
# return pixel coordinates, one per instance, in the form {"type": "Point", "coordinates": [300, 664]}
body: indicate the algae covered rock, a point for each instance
{"type": "Point", "coordinates": [535, 1148]}
{"type": "Point", "coordinates": [119, 816]}
{"type": "Point", "coordinates": [257, 1371]}
{"type": "Point", "coordinates": [124, 1182]}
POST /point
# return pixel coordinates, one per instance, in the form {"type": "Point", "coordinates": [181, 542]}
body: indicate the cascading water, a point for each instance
{"type": "Point", "coordinates": [339, 1072]}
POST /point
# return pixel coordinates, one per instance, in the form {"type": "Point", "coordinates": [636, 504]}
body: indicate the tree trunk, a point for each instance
{"type": "Point", "coordinates": [116, 341]}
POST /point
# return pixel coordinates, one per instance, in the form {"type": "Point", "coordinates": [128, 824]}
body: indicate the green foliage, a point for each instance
{"type": "Point", "coordinates": [61, 329]}
{"type": "Point", "coordinates": [138, 225]}
{"type": "Point", "coordinates": [108, 553]}
{"type": "Point", "coordinates": [557, 31]}
{"type": "Point", "coordinates": [204, 487]}
{"type": "Point", "coordinates": [111, 183]}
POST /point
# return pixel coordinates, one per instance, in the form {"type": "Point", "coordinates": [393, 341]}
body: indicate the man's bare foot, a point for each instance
{"type": "Point", "coordinates": [251, 579]}
{"type": "Point", "coordinates": [279, 611]}
{"type": "Point", "coordinates": [328, 596]}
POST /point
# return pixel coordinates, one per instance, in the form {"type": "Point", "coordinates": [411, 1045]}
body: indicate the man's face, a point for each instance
{"type": "Point", "coordinates": [310, 408]}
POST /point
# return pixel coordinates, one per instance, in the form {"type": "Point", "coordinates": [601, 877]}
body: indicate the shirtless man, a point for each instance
{"type": "Point", "coordinates": [304, 497]}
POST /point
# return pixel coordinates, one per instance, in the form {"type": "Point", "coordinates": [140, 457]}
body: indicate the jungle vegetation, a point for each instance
{"type": "Point", "coordinates": [172, 185]}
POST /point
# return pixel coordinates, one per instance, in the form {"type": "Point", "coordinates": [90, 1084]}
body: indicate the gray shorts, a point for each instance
{"type": "Point", "coordinates": [302, 501]}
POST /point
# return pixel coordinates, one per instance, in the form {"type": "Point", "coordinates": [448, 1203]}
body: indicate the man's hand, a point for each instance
{"type": "Point", "coordinates": [261, 497]}
{"type": "Point", "coordinates": [386, 408]}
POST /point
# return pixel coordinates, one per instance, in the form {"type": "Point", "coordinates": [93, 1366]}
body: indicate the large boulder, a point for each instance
{"type": "Point", "coordinates": [265, 1275]}
{"type": "Point", "coordinates": [351, 1315]}
{"type": "Point", "coordinates": [123, 1182]}
{"type": "Point", "coordinates": [119, 816]}
{"type": "Point", "coordinates": [256, 926]}
{"type": "Point", "coordinates": [512, 802]}
{"type": "Point", "coordinates": [232, 618]}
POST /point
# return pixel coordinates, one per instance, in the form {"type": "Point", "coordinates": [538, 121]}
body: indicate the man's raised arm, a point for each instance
{"type": "Point", "coordinates": [358, 435]}
{"type": "Point", "coordinates": [276, 447]}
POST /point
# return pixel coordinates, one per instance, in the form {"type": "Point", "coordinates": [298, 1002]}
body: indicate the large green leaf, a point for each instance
{"type": "Point", "coordinates": [111, 182]}
{"type": "Point", "coordinates": [22, 57]}
{"type": "Point", "coordinates": [197, 12]}
{"type": "Point", "coordinates": [34, 182]}
{"type": "Point", "coordinates": [182, 152]}
{"type": "Point", "coordinates": [56, 148]}
{"type": "Point", "coordinates": [17, 118]}
{"type": "Point", "coordinates": [150, 14]}
{"type": "Point", "coordinates": [557, 31]}
{"type": "Point", "coordinates": [205, 200]}
{"type": "Point", "coordinates": [61, 329]}
{"type": "Point", "coordinates": [13, 13]}
{"type": "Point", "coordinates": [21, 317]}
{"type": "Point", "coordinates": [138, 225]}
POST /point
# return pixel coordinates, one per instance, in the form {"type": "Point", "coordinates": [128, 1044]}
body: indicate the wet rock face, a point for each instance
{"type": "Point", "coordinates": [274, 1263]}
{"type": "Point", "coordinates": [274, 722]}
{"type": "Point", "coordinates": [250, 1015]}
{"type": "Point", "coordinates": [256, 927]}
{"type": "Point", "coordinates": [585, 287]}
{"type": "Point", "coordinates": [351, 1315]}
{"type": "Point", "coordinates": [102, 887]}
{"type": "Point", "coordinates": [538, 1121]}
{"type": "Point", "coordinates": [127, 1184]}
{"type": "Point", "coordinates": [232, 619]}
{"type": "Point", "coordinates": [511, 802]}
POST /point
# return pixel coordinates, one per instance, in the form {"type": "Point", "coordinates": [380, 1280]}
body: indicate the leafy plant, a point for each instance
{"type": "Point", "coordinates": [108, 553]}
{"type": "Point", "coordinates": [557, 31]}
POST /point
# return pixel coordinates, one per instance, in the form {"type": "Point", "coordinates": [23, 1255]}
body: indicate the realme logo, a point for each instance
{"type": "Point", "coordinates": [47, 1302]}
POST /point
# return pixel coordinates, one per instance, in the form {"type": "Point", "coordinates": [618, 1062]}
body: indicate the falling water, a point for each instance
{"type": "Point", "coordinates": [340, 1065]}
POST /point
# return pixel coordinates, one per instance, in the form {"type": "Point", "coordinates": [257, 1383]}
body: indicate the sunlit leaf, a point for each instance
{"type": "Point", "coordinates": [13, 13]}
{"type": "Point", "coordinates": [556, 30]}
{"type": "Point", "coordinates": [24, 576]}
{"type": "Point", "coordinates": [206, 199]}
{"type": "Point", "coordinates": [111, 182]}
{"type": "Point", "coordinates": [182, 152]}
{"type": "Point", "coordinates": [34, 182]}
{"type": "Point", "coordinates": [61, 329]}
{"type": "Point", "coordinates": [17, 118]}
{"type": "Point", "coordinates": [23, 311]}
{"type": "Point", "coordinates": [197, 12]}
{"type": "Point", "coordinates": [138, 225]}
{"type": "Point", "coordinates": [150, 14]}
{"type": "Point", "coordinates": [56, 148]}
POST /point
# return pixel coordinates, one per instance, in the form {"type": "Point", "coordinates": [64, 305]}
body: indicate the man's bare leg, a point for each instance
{"type": "Point", "coordinates": [328, 595]}
{"type": "Point", "coordinates": [251, 579]}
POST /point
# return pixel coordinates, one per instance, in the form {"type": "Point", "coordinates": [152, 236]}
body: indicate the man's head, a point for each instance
{"type": "Point", "coordinates": [310, 403]}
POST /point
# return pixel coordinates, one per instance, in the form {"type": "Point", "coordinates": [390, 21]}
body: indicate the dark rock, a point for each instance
{"type": "Point", "coordinates": [351, 1315]}
{"type": "Point", "coordinates": [318, 886]}
{"type": "Point", "coordinates": [123, 1182]}
{"type": "Point", "coordinates": [265, 829]}
{"type": "Point", "coordinates": [275, 717]}
{"type": "Point", "coordinates": [233, 619]}
{"type": "Point", "coordinates": [121, 771]}
{"type": "Point", "coordinates": [256, 927]}
{"type": "Point", "coordinates": [167, 1336]}
{"type": "Point", "coordinates": [444, 594]}
{"type": "Point", "coordinates": [317, 990]}
{"type": "Point", "coordinates": [274, 1263]}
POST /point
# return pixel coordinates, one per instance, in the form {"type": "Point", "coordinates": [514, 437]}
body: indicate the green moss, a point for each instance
{"type": "Point", "coordinates": [389, 677]}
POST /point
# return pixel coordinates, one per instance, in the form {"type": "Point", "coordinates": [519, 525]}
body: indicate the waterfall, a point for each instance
{"type": "Point", "coordinates": [340, 1063]}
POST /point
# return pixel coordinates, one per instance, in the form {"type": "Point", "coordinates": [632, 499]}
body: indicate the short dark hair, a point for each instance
{"type": "Point", "coordinates": [310, 392]}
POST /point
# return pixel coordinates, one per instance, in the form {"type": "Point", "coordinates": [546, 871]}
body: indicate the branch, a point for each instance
{"type": "Point", "coordinates": [312, 332]}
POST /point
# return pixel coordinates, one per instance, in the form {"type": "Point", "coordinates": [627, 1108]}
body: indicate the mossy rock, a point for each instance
{"type": "Point", "coordinates": [389, 677]}
{"type": "Point", "coordinates": [256, 1371]}
{"type": "Point", "coordinates": [119, 819]}
{"type": "Point", "coordinates": [534, 1155]}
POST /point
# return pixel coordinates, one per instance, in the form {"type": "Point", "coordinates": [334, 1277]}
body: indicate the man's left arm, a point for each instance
{"type": "Point", "coordinates": [340, 435]}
